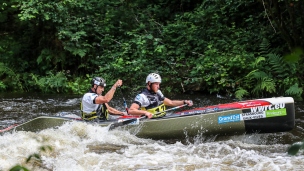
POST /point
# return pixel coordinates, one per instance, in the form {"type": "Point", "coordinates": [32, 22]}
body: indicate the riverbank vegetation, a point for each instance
{"type": "Point", "coordinates": [248, 48]}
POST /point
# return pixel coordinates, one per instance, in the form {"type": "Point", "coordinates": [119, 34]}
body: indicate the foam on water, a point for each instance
{"type": "Point", "coordinates": [81, 146]}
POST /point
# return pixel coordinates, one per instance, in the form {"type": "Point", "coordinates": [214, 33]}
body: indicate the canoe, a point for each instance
{"type": "Point", "coordinates": [266, 115]}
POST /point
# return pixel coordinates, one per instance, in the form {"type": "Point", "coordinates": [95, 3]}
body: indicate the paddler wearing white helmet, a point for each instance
{"type": "Point", "coordinates": [151, 102]}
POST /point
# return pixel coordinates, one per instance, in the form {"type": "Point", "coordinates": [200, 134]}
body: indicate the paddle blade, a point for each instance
{"type": "Point", "coordinates": [294, 148]}
{"type": "Point", "coordinates": [118, 124]}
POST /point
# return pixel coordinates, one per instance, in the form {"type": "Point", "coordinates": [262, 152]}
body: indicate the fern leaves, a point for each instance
{"type": "Point", "coordinates": [13, 79]}
{"type": "Point", "coordinates": [295, 91]}
{"type": "Point", "coordinates": [271, 74]}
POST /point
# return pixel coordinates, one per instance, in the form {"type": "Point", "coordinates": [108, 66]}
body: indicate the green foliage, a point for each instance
{"type": "Point", "coordinates": [6, 70]}
{"type": "Point", "coordinates": [79, 85]}
{"type": "Point", "coordinates": [60, 83]}
{"type": "Point", "coordinates": [286, 17]}
{"type": "Point", "coordinates": [295, 91]}
{"type": "Point", "coordinates": [208, 49]}
{"type": "Point", "coordinates": [295, 55]}
{"type": "Point", "coordinates": [205, 46]}
{"type": "Point", "coordinates": [240, 93]}
{"type": "Point", "coordinates": [272, 75]}
{"type": "Point", "coordinates": [51, 82]}
{"type": "Point", "coordinates": [12, 79]}
{"type": "Point", "coordinates": [2, 86]}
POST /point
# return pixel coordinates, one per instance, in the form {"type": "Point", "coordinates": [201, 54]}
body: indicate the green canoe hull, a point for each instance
{"type": "Point", "coordinates": [254, 116]}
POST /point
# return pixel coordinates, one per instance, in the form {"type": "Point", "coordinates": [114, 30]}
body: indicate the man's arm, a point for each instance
{"type": "Point", "coordinates": [108, 97]}
{"type": "Point", "coordinates": [169, 102]}
{"type": "Point", "coordinates": [133, 110]}
{"type": "Point", "coordinates": [114, 111]}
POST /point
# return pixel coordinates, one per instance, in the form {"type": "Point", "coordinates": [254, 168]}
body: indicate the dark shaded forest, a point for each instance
{"type": "Point", "coordinates": [248, 48]}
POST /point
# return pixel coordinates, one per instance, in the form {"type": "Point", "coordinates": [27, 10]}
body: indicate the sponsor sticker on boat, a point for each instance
{"type": "Point", "coordinates": [275, 113]}
{"type": "Point", "coordinates": [258, 112]}
{"type": "Point", "coordinates": [263, 114]}
{"type": "Point", "coordinates": [229, 118]}
{"type": "Point", "coordinates": [253, 115]}
{"type": "Point", "coordinates": [268, 107]}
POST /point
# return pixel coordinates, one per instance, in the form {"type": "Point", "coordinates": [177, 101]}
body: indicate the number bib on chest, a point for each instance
{"type": "Point", "coordinates": [155, 111]}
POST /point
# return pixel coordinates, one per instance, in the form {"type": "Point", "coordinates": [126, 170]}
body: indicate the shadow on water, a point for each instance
{"type": "Point", "coordinates": [19, 108]}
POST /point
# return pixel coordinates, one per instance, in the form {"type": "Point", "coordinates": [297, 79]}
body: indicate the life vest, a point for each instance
{"type": "Point", "coordinates": [156, 111]}
{"type": "Point", "coordinates": [101, 113]}
{"type": "Point", "coordinates": [156, 105]}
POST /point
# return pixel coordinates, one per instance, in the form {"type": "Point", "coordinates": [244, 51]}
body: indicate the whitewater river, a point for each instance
{"type": "Point", "coordinates": [84, 147]}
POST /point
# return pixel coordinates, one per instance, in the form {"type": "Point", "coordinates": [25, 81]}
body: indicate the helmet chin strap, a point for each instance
{"type": "Point", "coordinates": [95, 89]}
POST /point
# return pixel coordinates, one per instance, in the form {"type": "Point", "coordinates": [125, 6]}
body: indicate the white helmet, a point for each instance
{"type": "Point", "coordinates": [153, 77]}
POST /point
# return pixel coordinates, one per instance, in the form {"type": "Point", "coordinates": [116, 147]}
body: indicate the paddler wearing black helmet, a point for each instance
{"type": "Point", "coordinates": [94, 106]}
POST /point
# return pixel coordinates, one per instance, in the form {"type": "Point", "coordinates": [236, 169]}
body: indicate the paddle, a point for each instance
{"type": "Point", "coordinates": [125, 103]}
{"type": "Point", "coordinates": [8, 128]}
{"type": "Point", "coordinates": [126, 122]}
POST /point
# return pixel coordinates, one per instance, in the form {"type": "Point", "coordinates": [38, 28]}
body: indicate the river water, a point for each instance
{"type": "Point", "coordinates": [85, 147]}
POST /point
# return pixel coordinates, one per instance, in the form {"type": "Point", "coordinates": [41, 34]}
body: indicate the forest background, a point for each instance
{"type": "Point", "coordinates": [239, 48]}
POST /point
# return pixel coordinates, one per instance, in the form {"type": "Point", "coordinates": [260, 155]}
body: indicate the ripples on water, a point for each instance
{"type": "Point", "coordinates": [81, 146]}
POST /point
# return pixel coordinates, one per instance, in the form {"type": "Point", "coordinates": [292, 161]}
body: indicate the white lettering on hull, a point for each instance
{"type": "Point", "coordinates": [268, 107]}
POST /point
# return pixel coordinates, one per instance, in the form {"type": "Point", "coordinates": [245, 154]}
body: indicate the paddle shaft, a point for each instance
{"type": "Point", "coordinates": [8, 128]}
{"type": "Point", "coordinates": [173, 108]}
{"type": "Point", "coordinates": [125, 103]}
{"type": "Point", "coordinates": [126, 122]}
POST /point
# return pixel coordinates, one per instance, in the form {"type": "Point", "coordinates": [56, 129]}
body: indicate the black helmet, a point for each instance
{"type": "Point", "coordinates": [98, 81]}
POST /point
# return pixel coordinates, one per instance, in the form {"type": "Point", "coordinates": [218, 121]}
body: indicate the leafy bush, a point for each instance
{"type": "Point", "coordinates": [205, 46]}
{"type": "Point", "coordinates": [51, 82]}
{"type": "Point", "coordinates": [271, 75]}
{"type": "Point", "coordinates": [11, 79]}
